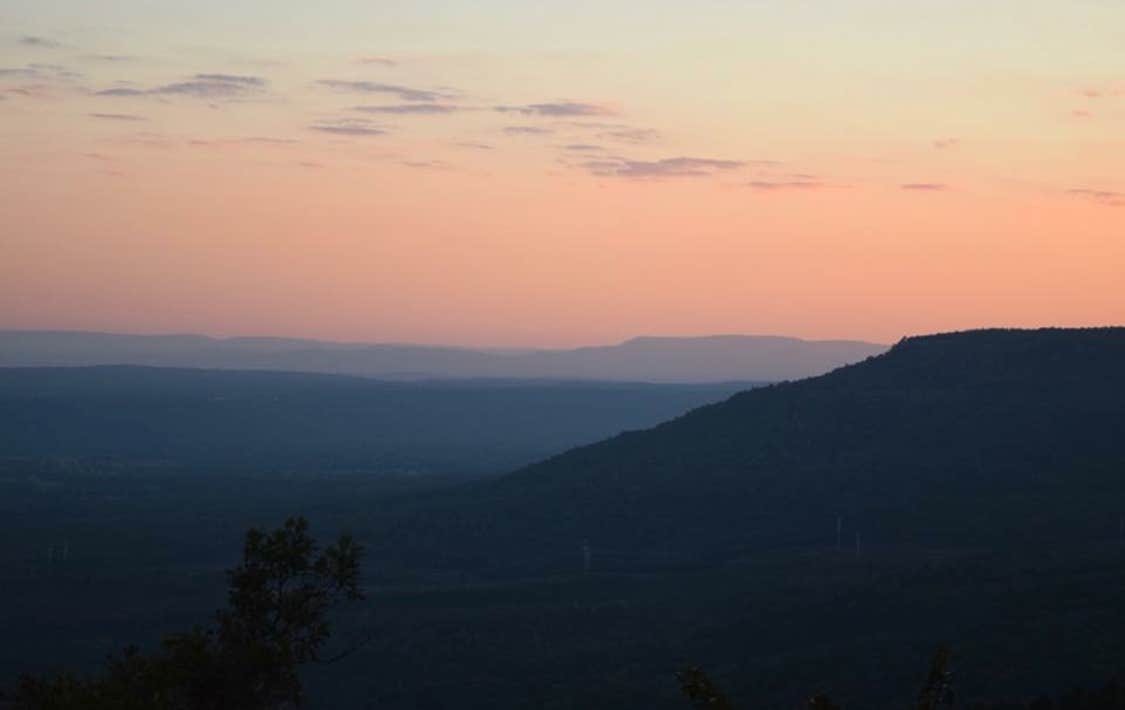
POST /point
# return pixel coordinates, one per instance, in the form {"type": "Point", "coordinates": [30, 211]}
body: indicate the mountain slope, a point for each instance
{"type": "Point", "coordinates": [708, 359]}
{"type": "Point", "coordinates": [976, 438]}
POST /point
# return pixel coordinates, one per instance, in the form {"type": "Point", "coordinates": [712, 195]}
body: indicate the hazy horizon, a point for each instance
{"type": "Point", "coordinates": [441, 344]}
{"type": "Point", "coordinates": [645, 359]}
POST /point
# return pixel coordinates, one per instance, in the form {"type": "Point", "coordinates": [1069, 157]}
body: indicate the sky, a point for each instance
{"type": "Point", "coordinates": [560, 173]}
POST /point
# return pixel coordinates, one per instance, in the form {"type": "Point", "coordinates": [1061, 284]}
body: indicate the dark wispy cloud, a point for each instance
{"type": "Point", "coordinates": [419, 109]}
{"type": "Point", "coordinates": [132, 117]}
{"type": "Point", "coordinates": [349, 127]}
{"type": "Point", "coordinates": [561, 109]}
{"type": "Point", "coordinates": [109, 58]}
{"type": "Point", "coordinates": [31, 91]}
{"type": "Point", "coordinates": [404, 93]}
{"type": "Point", "coordinates": [22, 72]}
{"type": "Point", "coordinates": [200, 86]}
{"type": "Point", "coordinates": [474, 146]}
{"type": "Point", "coordinates": [376, 59]}
{"type": "Point", "coordinates": [924, 186]}
{"type": "Point", "coordinates": [631, 135]}
{"type": "Point", "coordinates": [426, 164]}
{"type": "Point", "coordinates": [42, 42]}
{"type": "Point", "coordinates": [583, 147]}
{"type": "Point", "coordinates": [121, 91]}
{"type": "Point", "coordinates": [527, 131]}
{"type": "Point", "coordinates": [1108, 198]}
{"type": "Point", "coordinates": [42, 72]}
{"type": "Point", "coordinates": [944, 143]}
{"type": "Point", "coordinates": [617, 132]}
{"type": "Point", "coordinates": [232, 79]}
{"type": "Point", "coordinates": [233, 142]}
{"type": "Point", "coordinates": [342, 130]}
{"type": "Point", "coordinates": [785, 185]}
{"type": "Point", "coordinates": [39, 81]}
{"type": "Point", "coordinates": [667, 167]}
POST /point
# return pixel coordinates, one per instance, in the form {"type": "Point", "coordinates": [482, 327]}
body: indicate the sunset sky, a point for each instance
{"type": "Point", "coordinates": [522, 173]}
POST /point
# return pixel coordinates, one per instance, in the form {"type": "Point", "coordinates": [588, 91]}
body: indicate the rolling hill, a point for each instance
{"type": "Point", "coordinates": [978, 438]}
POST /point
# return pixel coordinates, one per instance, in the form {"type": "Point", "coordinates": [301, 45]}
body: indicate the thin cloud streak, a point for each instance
{"type": "Point", "coordinates": [202, 86]}
{"type": "Point", "coordinates": [36, 41]}
{"type": "Point", "coordinates": [236, 142]}
{"type": "Point", "coordinates": [132, 117]}
{"type": "Point", "coordinates": [232, 79]}
{"type": "Point", "coordinates": [667, 167]}
{"type": "Point", "coordinates": [426, 164]}
{"type": "Point", "coordinates": [631, 135]}
{"type": "Point", "coordinates": [785, 185]}
{"type": "Point", "coordinates": [349, 127]}
{"type": "Point", "coordinates": [376, 60]}
{"type": "Point", "coordinates": [42, 72]}
{"type": "Point", "coordinates": [562, 109]}
{"type": "Point", "coordinates": [422, 109]}
{"type": "Point", "coordinates": [1108, 198]}
{"type": "Point", "coordinates": [527, 131]}
{"type": "Point", "coordinates": [109, 58]}
{"type": "Point", "coordinates": [404, 93]}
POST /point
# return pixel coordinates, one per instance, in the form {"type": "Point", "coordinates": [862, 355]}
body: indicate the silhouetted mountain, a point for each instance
{"type": "Point", "coordinates": [707, 359]}
{"type": "Point", "coordinates": [269, 420]}
{"type": "Point", "coordinates": [969, 438]}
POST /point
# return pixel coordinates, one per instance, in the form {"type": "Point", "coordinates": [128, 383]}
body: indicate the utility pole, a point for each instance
{"type": "Point", "coordinates": [585, 557]}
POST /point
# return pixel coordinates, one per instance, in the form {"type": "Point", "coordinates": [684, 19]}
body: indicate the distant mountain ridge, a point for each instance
{"type": "Point", "coordinates": [721, 358]}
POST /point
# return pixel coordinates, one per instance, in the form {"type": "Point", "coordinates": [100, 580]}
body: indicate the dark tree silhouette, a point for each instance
{"type": "Point", "coordinates": [279, 596]}
{"type": "Point", "coordinates": [702, 692]}
{"type": "Point", "coordinates": [937, 693]}
{"type": "Point", "coordinates": [822, 702]}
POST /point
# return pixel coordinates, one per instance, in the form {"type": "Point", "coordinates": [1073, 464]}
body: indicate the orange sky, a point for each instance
{"type": "Point", "coordinates": [489, 175]}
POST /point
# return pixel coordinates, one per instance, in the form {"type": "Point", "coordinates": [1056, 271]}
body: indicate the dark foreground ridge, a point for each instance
{"type": "Point", "coordinates": [976, 438]}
